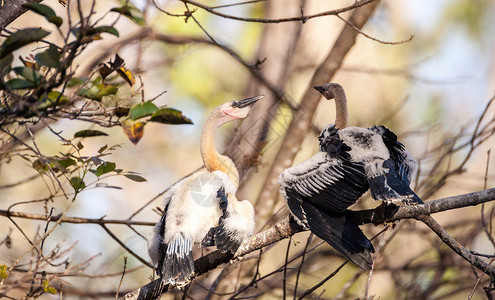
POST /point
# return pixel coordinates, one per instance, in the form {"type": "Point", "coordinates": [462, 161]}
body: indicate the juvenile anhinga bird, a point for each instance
{"type": "Point", "coordinates": [203, 208]}
{"type": "Point", "coordinates": [351, 161]}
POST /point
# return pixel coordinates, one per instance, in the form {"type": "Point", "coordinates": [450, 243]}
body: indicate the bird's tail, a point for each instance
{"type": "Point", "coordinates": [178, 265]}
{"type": "Point", "coordinates": [342, 233]}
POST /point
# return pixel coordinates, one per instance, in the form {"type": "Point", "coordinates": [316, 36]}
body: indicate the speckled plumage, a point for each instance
{"type": "Point", "coordinates": [351, 161]}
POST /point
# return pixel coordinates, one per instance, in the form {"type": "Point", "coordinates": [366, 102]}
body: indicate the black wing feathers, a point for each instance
{"type": "Point", "coordinates": [162, 248]}
{"type": "Point", "coordinates": [396, 150]}
{"type": "Point", "coordinates": [337, 229]}
{"type": "Point", "coordinates": [333, 182]}
{"type": "Point", "coordinates": [342, 233]}
{"type": "Point", "coordinates": [178, 263]}
{"type": "Point", "coordinates": [319, 194]}
{"type": "Point", "coordinates": [344, 191]}
{"type": "Point", "coordinates": [218, 235]}
{"type": "Point", "coordinates": [389, 186]}
{"type": "Point", "coordinates": [394, 184]}
{"type": "Point", "coordinates": [331, 143]}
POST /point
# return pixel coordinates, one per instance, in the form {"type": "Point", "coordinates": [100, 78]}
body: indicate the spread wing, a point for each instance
{"type": "Point", "coordinates": [331, 183]}
{"type": "Point", "coordinates": [318, 191]}
{"type": "Point", "coordinates": [394, 180]}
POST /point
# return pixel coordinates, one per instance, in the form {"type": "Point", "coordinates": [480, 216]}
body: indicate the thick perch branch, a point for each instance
{"type": "Point", "coordinates": [287, 227]}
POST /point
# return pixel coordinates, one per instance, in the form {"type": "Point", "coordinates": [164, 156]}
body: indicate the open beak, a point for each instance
{"type": "Point", "coordinates": [240, 109]}
{"type": "Point", "coordinates": [319, 88]}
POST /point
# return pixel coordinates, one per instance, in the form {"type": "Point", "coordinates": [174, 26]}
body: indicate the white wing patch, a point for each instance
{"type": "Point", "coordinates": [311, 176]}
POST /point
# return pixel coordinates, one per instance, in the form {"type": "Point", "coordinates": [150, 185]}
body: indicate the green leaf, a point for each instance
{"type": "Point", "coordinates": [75, 81]}
{"type": "Point", "coordinates": [18, 84]}
{"type": "Point", "coordinates": [135, 177]}
{"type": "Point", "coordinates": [131, 12]}
{"type": "Point", "coordinates": [55, 20]}
{"type": "Point", "coordinates": [40, 9]}
{"type": "Point", "coordinates": [104, 168]}
{"type": "Point", "coordinates": [102, 149]}
{"type": "Point", "coordinates": [21, 38]}
{"type": "Point", "coordinates": [104, 185]}
{"type": "Point", "coordinates": [89, 133]}
{"type": "Point", "coordinates": [169, 116]}
{"type": "Point", "coordinates": [142, 109]}
{"type": "Point", "coordinates": [89, 93]}
{"type": "Point", "coordinates": [29, 73]}
{"type": "Point", "coordinates": [97, 92]}
{"type": "Point", "coordinates": [49, 58]}
{"type": "Point", "coordinates": [77, 183]}
{"type": "Point", "coordinates": [45, 11]}
{"type": "Point", "coordinates": [54, 98]}
{"type": "Point", "coordinates": [106, 89]}
{"type": "Point", "coordinates": [107, 29]}
{"type": "Point", "coordinates": [67, 162]}
{"type": "Point", "coordinates": [39, 165]}
{"type": "Point", "coordinates": [80, 146]}
{"type": "Point", "coordinates": [6, 64]}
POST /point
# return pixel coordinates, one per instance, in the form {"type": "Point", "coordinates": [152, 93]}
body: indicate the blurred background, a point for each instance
{"type": "Point", "coordinates": [431, 90]}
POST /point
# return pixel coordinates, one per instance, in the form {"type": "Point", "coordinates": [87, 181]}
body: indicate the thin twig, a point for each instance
{"type": "Point", "coordinates": [304, 18]}
{"type": "Point", "coordinates": [311, 290]}
{"type": "Point", "coordinates": [310, 237]}
{"type": "Point", "coordinates": [121, 278]}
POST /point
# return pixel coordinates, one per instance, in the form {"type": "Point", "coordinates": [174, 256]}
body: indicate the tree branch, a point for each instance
{"type": "Point", "coordinates": [383, 213]}
{"type": "Point", "coordinates": [11, 10]}
{"type": "Point", "coordinates": [302, 18]}
{"type": "Point", "coordinates": [458, 248]}
{"type": "Point", "coordinates": [73, 220]}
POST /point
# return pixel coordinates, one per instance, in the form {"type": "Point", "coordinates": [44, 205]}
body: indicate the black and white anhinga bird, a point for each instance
{"type": "Point", "coordinates": [351, 160]}
{"type": "Point", "coordinates": [203, 208]}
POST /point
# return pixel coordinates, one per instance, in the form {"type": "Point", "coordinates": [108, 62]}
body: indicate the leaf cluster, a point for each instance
{"type": "Point", "coordinates": [46, 85]}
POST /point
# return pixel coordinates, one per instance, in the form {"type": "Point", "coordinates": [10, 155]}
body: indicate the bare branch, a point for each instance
{"type": "Point", "coordinates": [375, 39]}
{"type": "Point", "coordinates": [73, 220]}
{"type": "Point", "coordinates": [303, 18]}
{"type": "Point", "coordinates": [288, 227]}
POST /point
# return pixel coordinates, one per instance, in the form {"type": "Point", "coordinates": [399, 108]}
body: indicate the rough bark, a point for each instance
{"type": "Point", "coordinates": [11, 10]}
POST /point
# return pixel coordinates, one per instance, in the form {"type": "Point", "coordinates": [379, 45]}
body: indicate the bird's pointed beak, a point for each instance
{"type": "Point", "coordinates": [246, 102]}
{"type": "Point", "coordinates": [240, 109]}
{"type": "Point", "coordinates": [319, 88]}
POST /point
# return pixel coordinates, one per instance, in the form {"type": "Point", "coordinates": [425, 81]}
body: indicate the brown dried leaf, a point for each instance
{"type": "Point", "coordinates": [134, 130]}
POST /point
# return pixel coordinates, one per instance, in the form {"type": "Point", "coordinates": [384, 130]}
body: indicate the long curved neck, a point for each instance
{"type": "Point", "coordinates": [213, 160]}
{"type": "Point", "coordinates": [341, 119]}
